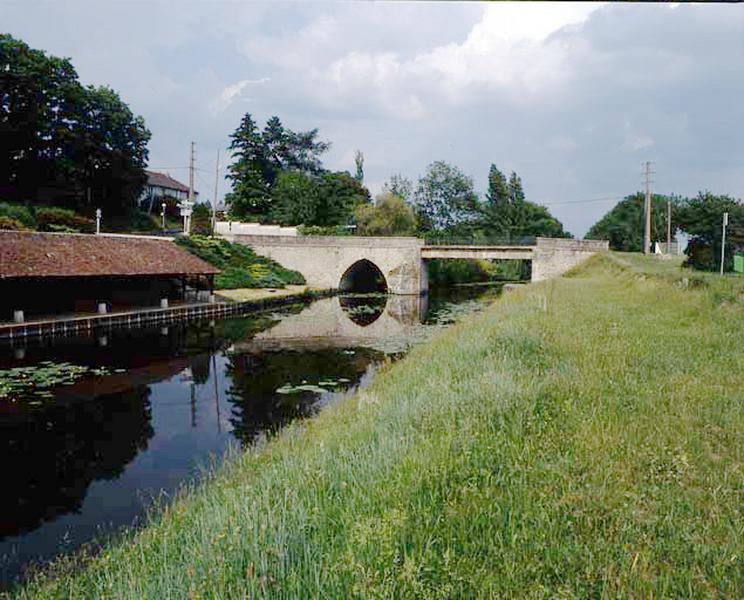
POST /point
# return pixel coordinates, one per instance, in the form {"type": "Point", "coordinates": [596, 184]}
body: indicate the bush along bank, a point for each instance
{"type": "Point", "coordinates": [581, 438]}
{"type": "Point", "coordinates": [241, 267]}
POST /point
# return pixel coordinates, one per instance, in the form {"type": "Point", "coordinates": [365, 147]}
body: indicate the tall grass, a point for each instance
{"type": "Point", "coordinates": [581, 438]}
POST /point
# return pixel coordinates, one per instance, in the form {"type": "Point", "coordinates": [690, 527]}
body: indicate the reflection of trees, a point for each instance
{"type": "Point", "coordinates": [51, 456]}
{"type": "Point", "coordinates": [363, 309]}
{"type": "Point", "coordinates": [256, 407]}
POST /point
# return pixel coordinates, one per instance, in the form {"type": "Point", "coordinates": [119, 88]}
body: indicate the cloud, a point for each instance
{"type": "Point", "coordinates": [571, 96]}
{"type": "Point", "coordinates": [232, 92]}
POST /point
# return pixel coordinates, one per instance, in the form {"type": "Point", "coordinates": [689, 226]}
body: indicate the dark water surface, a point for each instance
{"type": "Point", "coordinates": [92, 459]}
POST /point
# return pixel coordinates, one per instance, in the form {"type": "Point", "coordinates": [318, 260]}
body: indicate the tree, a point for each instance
{"type": "Point", "coordinates": [340, 195]}
{"type": "Point", "coordinates": [390, 215]}
{"type": "Point", "coordinates": [64, 143]}
{"type": "Point", "coordinates": [701, 218]}
{"type": "Point", "coordinates": [400, 186]}
{"type": "Point", "coordinates": [508, 214]}
{"type": "Point", "coordinates": [496, 215]}
{"type": "Point", "coordinates": [295, 199]}
{"type": "Point", "coordinates": [359, 162]}
{"type": "Point", "coordinates": [623, 225]}
{"type": "Point", "coordinates": [250, 193]}
{"type": "Point", "coordinates": [260, 157]}
{"type": "Point", "coordinates": [201, 219]}
{"type": "Point", "coordinates": [326, 200]}
{"type": "Point", "coordinates": [444, 197]}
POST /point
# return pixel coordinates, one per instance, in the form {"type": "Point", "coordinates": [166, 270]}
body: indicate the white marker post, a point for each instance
{"type": "Point", "coordinates": [723, 239]}
{"type": "Point", "coordinates": [98, 221]}
{"type": "Point", "coordinates": [162, 215]}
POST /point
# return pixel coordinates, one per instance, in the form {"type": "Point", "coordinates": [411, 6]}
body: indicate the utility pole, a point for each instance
{"type": "Point", "coordinates": [723, 239]}
{"type": "Point", "coordinates": [187, 224]}
{"type": "Point", "coordinates": [669, 226]}
{"type": "Point", "coordinates": [214, 200]}
{"type": "Point", "coordinates": [647, 226]}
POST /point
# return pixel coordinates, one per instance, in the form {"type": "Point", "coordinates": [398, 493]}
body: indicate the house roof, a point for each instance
{"type": "Point", "coordinates": [166, 181]}
{"type": "Point", "coordinates": [31, 254]}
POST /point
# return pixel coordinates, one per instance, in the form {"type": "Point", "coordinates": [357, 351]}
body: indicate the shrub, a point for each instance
{"type": "Point", "coordinates": [11, 224]}
{"type": "Point", "coordinates": [61, 219]}
{"type": "Point", "coordinates": [142, 221]}
{"type": "Point", "coordinates": [201, 220]}
{"type": "Point", "coordinates": [18, 212]}
{"type": "Point", "coordinates": [241, 267]}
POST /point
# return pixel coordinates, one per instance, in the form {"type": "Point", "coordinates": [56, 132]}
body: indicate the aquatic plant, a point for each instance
{"type": "Point", "coordinates": [35, 383]}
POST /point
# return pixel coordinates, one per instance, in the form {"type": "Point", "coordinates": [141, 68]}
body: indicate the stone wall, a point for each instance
{"type": "Point", "coordinates": [552, 257]}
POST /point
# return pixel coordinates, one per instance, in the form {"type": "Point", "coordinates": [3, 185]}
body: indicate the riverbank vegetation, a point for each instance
{"type": "Point", "coordinates": [581, 438]}
{"type": "Point", "coordinates": [241, 267]}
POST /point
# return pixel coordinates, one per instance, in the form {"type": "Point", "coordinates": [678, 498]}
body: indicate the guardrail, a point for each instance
{"type": "Point", "coordinates": [440, 240]}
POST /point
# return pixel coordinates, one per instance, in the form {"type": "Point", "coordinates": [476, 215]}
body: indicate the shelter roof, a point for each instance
{"type": "Point", "coordinates": [35, 254]}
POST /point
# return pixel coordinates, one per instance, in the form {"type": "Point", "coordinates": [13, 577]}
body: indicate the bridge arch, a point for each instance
{"type": "Point", "coordinates": [363, 276]}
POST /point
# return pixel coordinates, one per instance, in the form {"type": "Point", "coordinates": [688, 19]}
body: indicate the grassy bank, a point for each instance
{"type": "Point", "coordinates": [581, 438]}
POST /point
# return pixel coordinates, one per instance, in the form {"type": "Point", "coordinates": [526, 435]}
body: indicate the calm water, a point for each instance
{"type": "Point", "coordinates": [93, 459]}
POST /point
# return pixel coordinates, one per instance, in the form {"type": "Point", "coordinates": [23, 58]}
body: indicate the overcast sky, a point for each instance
{"type": "Point", "coordinates": [574, 97]}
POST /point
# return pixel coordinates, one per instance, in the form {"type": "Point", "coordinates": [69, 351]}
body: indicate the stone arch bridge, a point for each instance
{"type": "Point", "coordinates": [325, 261]}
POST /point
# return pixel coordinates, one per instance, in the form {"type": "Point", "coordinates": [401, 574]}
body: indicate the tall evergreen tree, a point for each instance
{"type": "Point", "coordinates": [509, 215]}
{"type": "Point", "coordinates": [260, 157]}
{"type": "Point", "coordinates": [359, 162]}
{"type": "Point", "coordinates": [250, 194]}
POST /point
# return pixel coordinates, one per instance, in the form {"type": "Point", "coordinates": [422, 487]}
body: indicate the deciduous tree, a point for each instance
{"type": "Point", "coordinates": [390, 215]}
{"type": "Point", "coordinates": [444, 197]}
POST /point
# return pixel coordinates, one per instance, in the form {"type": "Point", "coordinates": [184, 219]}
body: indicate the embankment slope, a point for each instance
{"type": "Point", "coordinates": [582, 437]}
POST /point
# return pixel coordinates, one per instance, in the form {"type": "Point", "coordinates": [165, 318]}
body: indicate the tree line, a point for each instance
{"type": "Point", "coordinates": [277, 176]}
{"type": "Point", "coordinates": [699, 218]}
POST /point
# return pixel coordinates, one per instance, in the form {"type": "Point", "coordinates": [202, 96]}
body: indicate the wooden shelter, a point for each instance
{"type": "Point", "coordinates": [52, 273]}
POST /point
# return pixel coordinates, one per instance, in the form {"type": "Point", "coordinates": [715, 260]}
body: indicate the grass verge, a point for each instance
{"type": "Point", "coordinates": [581, 438]}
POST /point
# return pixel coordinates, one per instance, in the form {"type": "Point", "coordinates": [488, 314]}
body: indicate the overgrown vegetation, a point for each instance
{"type": "Point", "coordinates": [241, 267]}
{"type": "Point", "coordinates": [581, 438]}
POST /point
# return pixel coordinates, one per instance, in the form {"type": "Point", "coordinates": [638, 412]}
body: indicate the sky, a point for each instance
{"type": "Point", "coordinates": [574, 97]}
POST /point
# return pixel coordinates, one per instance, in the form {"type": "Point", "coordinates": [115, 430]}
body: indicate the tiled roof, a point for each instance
{"type": "Point", "coordinates": [33, 254]}
{"type": "Point", "coordinates": [165, 181]}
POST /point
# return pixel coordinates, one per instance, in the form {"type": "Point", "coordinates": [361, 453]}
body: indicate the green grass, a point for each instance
{"type": "Point", "coordinates": [581, 438]}
{"type": "Point", "coordinates": [241, 267]}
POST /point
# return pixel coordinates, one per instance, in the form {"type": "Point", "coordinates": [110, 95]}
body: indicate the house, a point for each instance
{"type": "Point", "coordinates": [159, 186]}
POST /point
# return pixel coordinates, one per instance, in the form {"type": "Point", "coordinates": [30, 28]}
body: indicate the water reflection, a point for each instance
{"type": "Point", "coordinates": [92, 460]}
{"type": "Point", "coordinates": [51, 457]}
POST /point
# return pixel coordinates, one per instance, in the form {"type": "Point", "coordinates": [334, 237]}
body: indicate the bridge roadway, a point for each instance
{"type": "Point", "coordinates": [326, 261]}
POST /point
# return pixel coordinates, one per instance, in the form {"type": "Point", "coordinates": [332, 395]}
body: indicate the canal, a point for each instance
{"type": "Point", "coordinates": [156, 405]}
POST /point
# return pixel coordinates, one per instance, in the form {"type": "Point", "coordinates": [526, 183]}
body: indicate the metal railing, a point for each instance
{"type": "Point", "coordinates": [445, 240]}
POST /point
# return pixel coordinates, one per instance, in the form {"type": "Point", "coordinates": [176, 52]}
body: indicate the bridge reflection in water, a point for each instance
{"type": "Point", "coordinates": [342, 322]}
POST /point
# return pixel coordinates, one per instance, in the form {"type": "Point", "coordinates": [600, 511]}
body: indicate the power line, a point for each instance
{"type": "Point", "coordinates": [608, 199]}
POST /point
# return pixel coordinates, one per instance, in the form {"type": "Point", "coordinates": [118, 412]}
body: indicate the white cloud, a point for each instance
{"type": "Point", "coordinates": [508, 51]}
{"type": "Point", "coordinates": [232, 92]}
